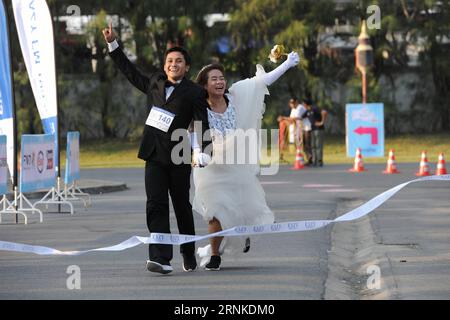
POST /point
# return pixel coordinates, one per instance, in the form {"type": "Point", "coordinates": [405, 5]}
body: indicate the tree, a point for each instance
{"type": "Point", "coordinates": [296, 25]}
{"type": "Point", "coordinates": [147, 29]}
{"type": "Point", "coordinates": [431, 22]}
{"type": "Point", "coordinates": [423, 25]}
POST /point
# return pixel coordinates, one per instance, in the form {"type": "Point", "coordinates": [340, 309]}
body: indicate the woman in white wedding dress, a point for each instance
{"type": "Point", "coordinates": [228, 193]}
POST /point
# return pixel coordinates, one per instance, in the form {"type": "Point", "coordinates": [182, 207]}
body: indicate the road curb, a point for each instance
{"type": "Point", "coordinates": [89, 186]}
{"type": "Point", "coordinates": [355, 251]}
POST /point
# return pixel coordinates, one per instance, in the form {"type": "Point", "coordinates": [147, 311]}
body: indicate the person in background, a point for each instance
{"type": "Point", "coordinates": [306, 134]}
{"type": "Point", "coordinates": [317, 118]}
{"type": "Point", "coordinates": [290, 125]}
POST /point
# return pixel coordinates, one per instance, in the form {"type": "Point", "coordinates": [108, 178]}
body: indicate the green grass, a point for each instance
{"type": "Point", "coordinates": [108, 154]}
{"type": "Point", "coordinates": [408, 148]}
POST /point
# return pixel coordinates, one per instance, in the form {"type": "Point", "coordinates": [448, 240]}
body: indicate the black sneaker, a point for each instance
{"type": "Point", "coordinates": [153, 266]}
{"type": "Point", "coordinates": [247, 245]}
{"type": "Point", "coordinates": [189, 263]}
{"type": "Point", "coordinates": [214, 263]}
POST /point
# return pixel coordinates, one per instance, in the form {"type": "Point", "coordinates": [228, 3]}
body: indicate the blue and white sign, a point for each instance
{"type": "Point", "coordinates": [72, 158]}
{"type": "Point", "coordinates": [3, 167]}
{"type": "Point", "coordinates": [35, 30]}
{"type": "Point", "coordinates": [37, 163]}
{"type": "Point", "coordinates": [365, 129]}
{"type": "Point", "coordinates": [6, 95]}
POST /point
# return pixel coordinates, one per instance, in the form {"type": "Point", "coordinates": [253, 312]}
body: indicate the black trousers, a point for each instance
{"type": "Point", "coordinates": [160, 181]}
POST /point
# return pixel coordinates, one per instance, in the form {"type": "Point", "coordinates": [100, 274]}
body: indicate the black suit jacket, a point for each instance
{"type": "Point", "coordinates": [188, 102]}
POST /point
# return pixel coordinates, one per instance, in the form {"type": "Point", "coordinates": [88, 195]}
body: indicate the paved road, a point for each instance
{"type": "Point", "coordinates": [407, 239]}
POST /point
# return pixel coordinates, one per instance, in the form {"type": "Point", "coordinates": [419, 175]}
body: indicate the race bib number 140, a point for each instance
{"type": "Point", "coordinates": [160, 119]}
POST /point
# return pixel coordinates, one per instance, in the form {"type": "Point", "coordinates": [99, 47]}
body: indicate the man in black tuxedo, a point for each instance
{"type": "Point", "coordinates": [174, 102]}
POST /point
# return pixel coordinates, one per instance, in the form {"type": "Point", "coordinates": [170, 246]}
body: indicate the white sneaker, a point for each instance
{"type": "Point", "coordinates": [153, 266]}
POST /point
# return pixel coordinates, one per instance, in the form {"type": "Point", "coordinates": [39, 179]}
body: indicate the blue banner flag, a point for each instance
{"type": "Point", "coordinates": [3, 165]}
{"type": "Point", "coordinates": [6, 92]}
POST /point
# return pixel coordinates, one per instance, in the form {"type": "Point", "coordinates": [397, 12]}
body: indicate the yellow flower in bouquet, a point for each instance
{"type": "Point", "coordinates": [277, 53]}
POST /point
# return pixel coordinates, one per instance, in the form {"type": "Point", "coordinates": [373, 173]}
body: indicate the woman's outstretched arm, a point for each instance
{"type": "Point", "coordinates": [292, 60]}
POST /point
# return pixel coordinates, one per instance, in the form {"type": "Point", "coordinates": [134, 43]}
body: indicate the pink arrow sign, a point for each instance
{"type": "Point", "coordinates": [369, 130]}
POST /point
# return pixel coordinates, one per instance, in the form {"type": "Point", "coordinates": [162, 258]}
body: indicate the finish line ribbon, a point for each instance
{"type": "Point", "coordinates": [178, 239]}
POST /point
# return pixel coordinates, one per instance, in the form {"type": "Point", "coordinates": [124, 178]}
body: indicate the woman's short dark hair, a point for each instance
{"type": "Point", "coordinates": [202, 76]}
{"type": "Point", "coordinates": [183, 51]}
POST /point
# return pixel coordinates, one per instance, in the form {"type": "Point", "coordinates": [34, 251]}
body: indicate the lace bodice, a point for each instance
{"type": "Point", "coordinates": [222, 122]}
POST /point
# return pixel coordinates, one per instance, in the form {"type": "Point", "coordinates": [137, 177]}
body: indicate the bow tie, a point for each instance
{"type": "Point", "coordinates": [169, 84]}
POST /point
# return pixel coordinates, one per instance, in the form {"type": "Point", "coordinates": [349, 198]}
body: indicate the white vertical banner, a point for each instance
{"type": "Point", "coordinates": [35, 30]}
{"type": "Point", "coordinates": [72, 157]}
{"type": "Point", "coordinates": [37, 163]}
{"type": "Point", "coordinates": [3, 167]}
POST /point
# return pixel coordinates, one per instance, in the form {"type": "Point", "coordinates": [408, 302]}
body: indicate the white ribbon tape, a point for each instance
{"type": "Point", "coordinates": [178, 239]}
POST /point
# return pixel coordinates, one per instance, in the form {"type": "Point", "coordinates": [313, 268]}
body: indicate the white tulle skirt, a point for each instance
{"type": "Point", "coordinates": [233, 195]}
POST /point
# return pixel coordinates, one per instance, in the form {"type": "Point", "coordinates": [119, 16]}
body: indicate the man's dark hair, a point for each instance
{"type": "Point", "coordinates": [183, 51]}
{"type": "Point", "coordinates": [294, 98]}
{"type": "Point", "coordinates": [307, 101]}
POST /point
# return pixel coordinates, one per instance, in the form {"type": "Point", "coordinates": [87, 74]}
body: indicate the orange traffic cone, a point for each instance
{"type": "Point", "coordinates": [391, 166]}
{"type": "Point", "coordinates": [424, 169]}
{"type": "Point", "coordinates": [441, 165]}
{"type": "Point", "coordinates": [359, 165]}
{"type": "Point", "coordinates": [298, 164]}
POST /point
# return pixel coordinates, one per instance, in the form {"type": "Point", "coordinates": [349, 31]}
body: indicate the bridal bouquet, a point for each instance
{"type": "Point", "coordinates": [277, 53]}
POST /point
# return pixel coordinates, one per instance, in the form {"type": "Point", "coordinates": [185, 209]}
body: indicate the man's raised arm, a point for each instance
{"type": "Point", "coordinates": [133, 75]}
